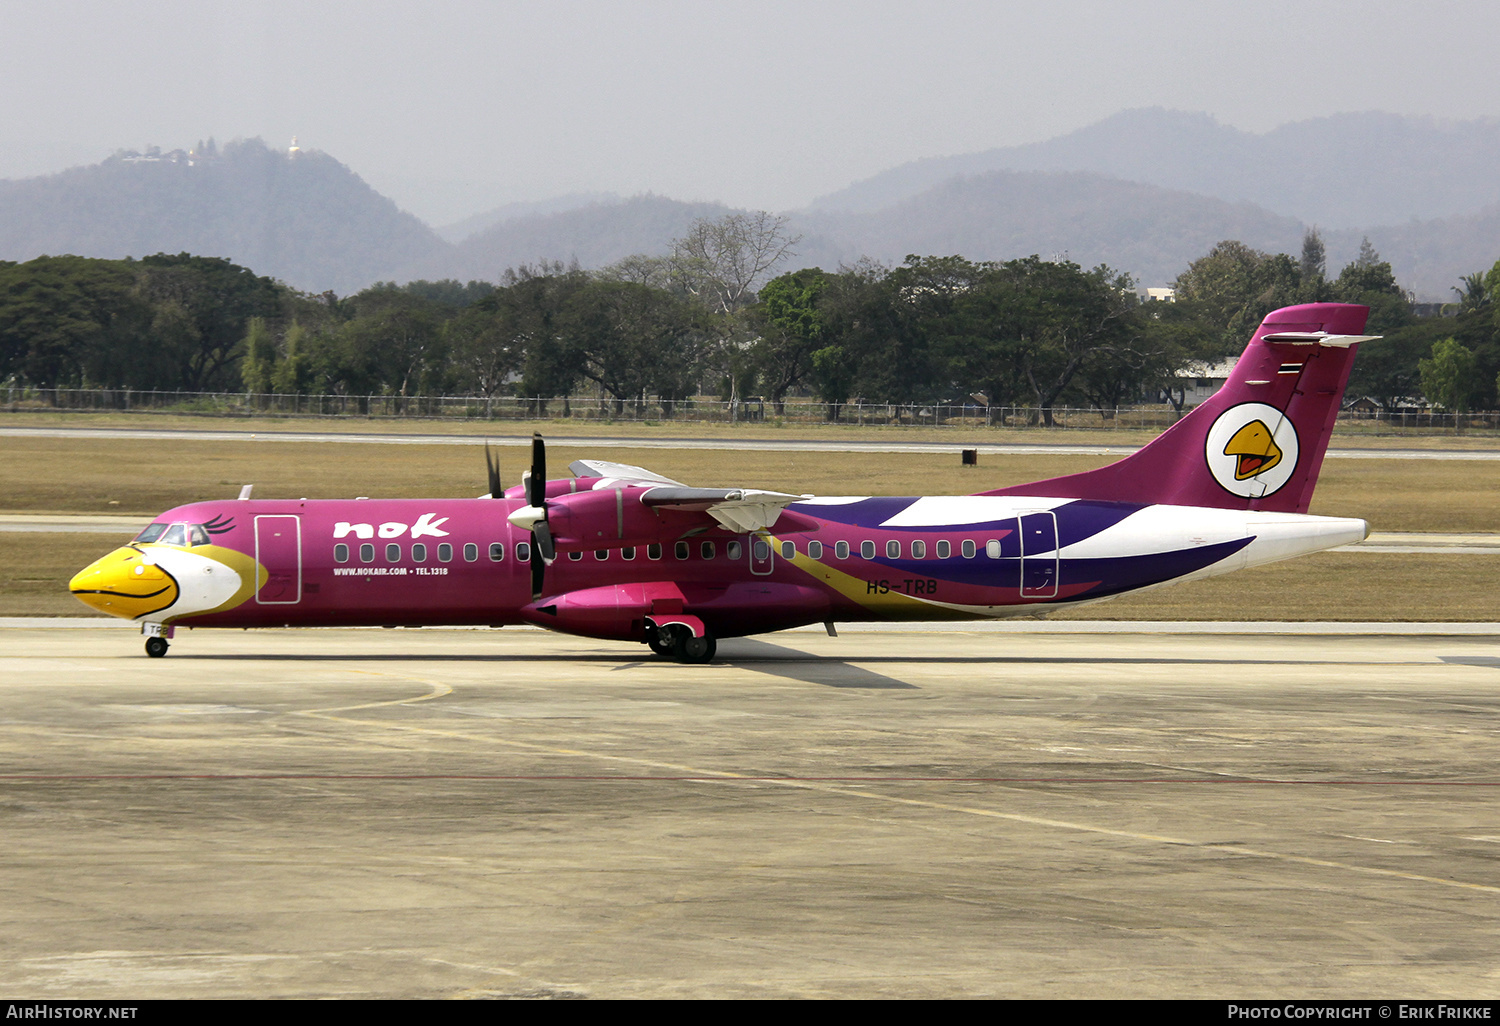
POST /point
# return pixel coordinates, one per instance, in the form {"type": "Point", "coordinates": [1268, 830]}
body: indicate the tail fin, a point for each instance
{"type": "Point", "coordinates": [1258, 442]}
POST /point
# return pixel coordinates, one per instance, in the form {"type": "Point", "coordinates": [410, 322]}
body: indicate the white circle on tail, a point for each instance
{"type": "Point", "coordinates": [1252, 450]}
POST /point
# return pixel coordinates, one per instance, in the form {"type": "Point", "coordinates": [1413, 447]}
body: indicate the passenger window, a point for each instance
{"type": "Point", "coordinates": [918, 550]}
{"type": "Point", "coordinates": [968, 548]}
{"type": "Point", "coordinates": [341, 553]}
{"type": "Point", "coordinates": [393, 553]}
{"type": "Point", "coordinates": [680, 550]}
{"type": "Point", "coordinates": [628, 553]}
{"type": "Point", "coordinates": [575, 556]}
{"type": "Point", "coordinates": [815, 549]}
{"type": "Point", "coordinates": [761, 549]}
{"type": "Point", "coordinates": [445, 553]}
{"type": "Point", "coordinates": [867, 549]}
{"type": "Point", "coordinates": [419, 553]}
{"type": "Point", "coordinates": [841, 550]}
{"type": "Point", "coordinates": [893, 549]}
{"type": "Point", "coordinates": [471, 552]}
{"type": "Point", "coordinates": [653, 551]}
{"type": "Point", "coordinates": [944, 550]}
{"type": "Point", "coordinates": [497, 552]}
{"type": "Point", "coordinates": [367, 553]}
{"type": "Point", "coordinates": [523, 552]}
{"type": "Point", "coordinates": [992, 548]}
{"type": "Point", "coordinates": [788, 549]}
{"type": "Point", "coordinates": [706, 550]}
{"type": "Point", "coordinates": [601, 554]}
{"type": "Point", "coordinates": [734, 550]}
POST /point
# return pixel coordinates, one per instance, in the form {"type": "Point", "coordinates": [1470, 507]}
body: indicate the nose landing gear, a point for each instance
{"type": "Point", "coordinates": [156, 638]}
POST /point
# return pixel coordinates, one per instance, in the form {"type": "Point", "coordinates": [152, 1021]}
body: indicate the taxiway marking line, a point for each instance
{"type": "Point", "coordinates": [711, 776]}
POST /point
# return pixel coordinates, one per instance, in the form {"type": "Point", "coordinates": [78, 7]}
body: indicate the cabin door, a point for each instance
{"type": "Point", "coordinates": [1039, 555]}
{"type": "Point", "coordinates": [278, 548]}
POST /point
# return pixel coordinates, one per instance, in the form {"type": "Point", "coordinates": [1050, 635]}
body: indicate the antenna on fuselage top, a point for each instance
{"type": "Point", "coordinates": [245, 492]}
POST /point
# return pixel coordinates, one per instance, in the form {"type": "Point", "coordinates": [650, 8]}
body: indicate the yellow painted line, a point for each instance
{"type": "Point", "coordinates": [440, 689]}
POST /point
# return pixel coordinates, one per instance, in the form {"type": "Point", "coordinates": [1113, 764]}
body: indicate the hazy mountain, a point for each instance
{"type": "Point", "coordinates": [1428, 257]}
{"type": "Point", "coordinates": [594, 235]}
{"type": "Point", "coordinates": [302, 217]}
{"type": "Point", "coordinates": [1342, 171]}
{"type": "Point", "coordinates": [310, 221]}
{"type": "Point", "coordinates": [458, 231]}
{"type": "Point", "coordinates": [1151, 232]}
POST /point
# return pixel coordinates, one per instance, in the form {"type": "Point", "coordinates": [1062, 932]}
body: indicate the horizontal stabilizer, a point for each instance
{"type": "Point", "coordinates": [1320, 338]}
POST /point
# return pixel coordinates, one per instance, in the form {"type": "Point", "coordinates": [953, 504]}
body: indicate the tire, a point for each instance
{"type": "Point", "coordinates": [156, 647]}
{"type": "Point", "coordinates": [695, 650]}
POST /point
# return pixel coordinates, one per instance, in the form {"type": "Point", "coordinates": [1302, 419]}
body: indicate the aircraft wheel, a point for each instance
{"type": "Point", "coordinates": [156, 647]}
{"type": "Point", "coordinates": [662, 646]}
{"type": "Point", "coordinates": [694, 650]}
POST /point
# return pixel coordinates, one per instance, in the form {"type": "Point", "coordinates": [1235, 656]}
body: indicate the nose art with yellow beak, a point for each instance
{"type": "Point", "coordinates": [125, 583]}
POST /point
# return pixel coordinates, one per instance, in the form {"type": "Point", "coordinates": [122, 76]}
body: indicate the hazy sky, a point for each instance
{"type": "Point", "coordinates": [454, 107]}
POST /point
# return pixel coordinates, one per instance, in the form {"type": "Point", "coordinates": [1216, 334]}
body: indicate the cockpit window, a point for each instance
{"type": "Point", "coordinates": [174, 534]}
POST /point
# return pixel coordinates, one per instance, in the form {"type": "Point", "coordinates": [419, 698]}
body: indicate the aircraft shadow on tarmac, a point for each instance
{"type": "Point", "coordinates": [794, 664]}
{"type": "Point", "coordinates": [1491, 661]}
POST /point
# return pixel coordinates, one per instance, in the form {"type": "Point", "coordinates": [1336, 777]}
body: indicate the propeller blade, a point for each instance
{"type": "Point", "coordinates": [538, 568]}
{"type": "Point", "coordinates": [542, 539]}
{"type": "Point", "coordinates": [543, 551]}
{"type": "Point", "coordinates": [537, 496]}
{"type": "Point", "coordinates": [496, 491]}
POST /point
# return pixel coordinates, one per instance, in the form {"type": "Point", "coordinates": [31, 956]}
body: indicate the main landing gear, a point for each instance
{"type": "Point", "coordinates": [676, 641]}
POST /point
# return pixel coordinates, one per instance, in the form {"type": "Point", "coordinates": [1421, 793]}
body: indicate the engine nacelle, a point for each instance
{"type": "Point", "coordinates": [611, 518]}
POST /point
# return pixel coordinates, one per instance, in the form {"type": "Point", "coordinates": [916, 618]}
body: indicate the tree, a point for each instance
{"type": "Point", "coordinates": [1233, 287]}
{"type": "Point", "coordinates": [1314, 266]}
{"type": "Point", "coordinates": [630, 337]}
{"type": "Point", "coordinates": [258, 364]}
{"type": "Point", "coordinates": [1448, 375]}
{"type": "Point", "coordinates": [202, 307]}
{"type": "Point", "coordinates": [722, 260]}
{"type": "Point", "coordinates": [790, 330]}
{"type": "Point", "coordinates": [1370, 280]}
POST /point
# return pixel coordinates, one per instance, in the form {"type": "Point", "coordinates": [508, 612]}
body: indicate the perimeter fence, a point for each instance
{"type": "Point", "coordinates": [655, 410]}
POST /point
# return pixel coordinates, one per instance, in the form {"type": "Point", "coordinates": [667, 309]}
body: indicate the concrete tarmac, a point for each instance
{"type": "Point", "coordinates": [443, 813]}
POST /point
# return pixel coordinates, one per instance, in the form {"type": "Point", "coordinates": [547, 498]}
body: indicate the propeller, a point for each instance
{"type": "Point", "coordinates": [533, 516]}
{"type": "Point", "coordinates": [493, 466]}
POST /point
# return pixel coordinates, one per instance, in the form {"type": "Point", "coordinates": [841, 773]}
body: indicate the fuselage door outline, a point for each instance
{"type": "Point", "coordinates": [1039, 554]}
{"type": "Point", "coordinates": [278, 548]}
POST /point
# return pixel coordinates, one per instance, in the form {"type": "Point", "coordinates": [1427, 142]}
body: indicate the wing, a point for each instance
{"type": "Point", "coordinates": [741, 510]}
{"type": "Point", "coordinates": [617, 473]}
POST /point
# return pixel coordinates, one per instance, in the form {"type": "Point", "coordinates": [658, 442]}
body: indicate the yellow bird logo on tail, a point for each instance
{"type": "Point", "coordinates": [1254, 450]}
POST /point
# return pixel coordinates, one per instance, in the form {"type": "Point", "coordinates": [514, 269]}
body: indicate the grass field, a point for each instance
{"type": "Point", "coordinates": [125, 476]}
{"type": "Point", "coordinates": [1353, 434]}
{"type": "Point", "coordinates": [111, 475]}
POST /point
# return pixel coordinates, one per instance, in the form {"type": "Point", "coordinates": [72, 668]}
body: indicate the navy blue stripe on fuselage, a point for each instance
{"type": "Point", "coordinates": [1114, 574]}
